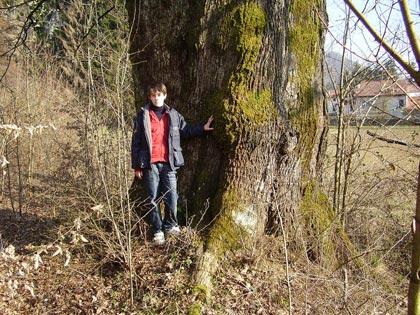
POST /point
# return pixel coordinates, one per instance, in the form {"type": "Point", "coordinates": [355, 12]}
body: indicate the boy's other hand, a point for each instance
{"type": "Point", "coordinates": [208, 123]}
{"type": "Point", "coordinates": [138, 173]}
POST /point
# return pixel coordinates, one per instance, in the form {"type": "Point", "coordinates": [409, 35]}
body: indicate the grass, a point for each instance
{"type": "Point", "coordinates": [375, 154]}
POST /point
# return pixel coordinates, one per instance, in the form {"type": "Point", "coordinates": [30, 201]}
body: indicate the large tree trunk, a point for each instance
{"type": "Point", "coordinates": [256, 66]}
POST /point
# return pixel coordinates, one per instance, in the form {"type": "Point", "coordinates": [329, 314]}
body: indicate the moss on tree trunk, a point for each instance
{"type": "Point", "coordinates": [256, 66]}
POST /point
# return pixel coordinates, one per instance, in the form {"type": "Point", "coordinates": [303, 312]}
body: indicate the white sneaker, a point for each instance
{"type": "Point", "coordinates": [158, 238]}
{"type": "Point", "coordinates": [173, 230]}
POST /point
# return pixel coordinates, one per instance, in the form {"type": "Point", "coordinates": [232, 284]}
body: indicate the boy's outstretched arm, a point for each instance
{"type": "Point", "coordinates": [188, 131]}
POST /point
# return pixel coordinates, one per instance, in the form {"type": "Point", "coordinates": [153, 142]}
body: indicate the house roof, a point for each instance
{"type": "Point", "coordinates": [385, 88]}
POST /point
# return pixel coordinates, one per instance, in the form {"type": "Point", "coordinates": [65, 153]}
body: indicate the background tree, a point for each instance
{"type": "Point", "coordinates": [378, 71]}
{"type": "Point", "coordinates": [413, 70]}
{"type": "Point", "coordinates": [255, 65]}
{"type": "Point", "coordinates": [390, 47]}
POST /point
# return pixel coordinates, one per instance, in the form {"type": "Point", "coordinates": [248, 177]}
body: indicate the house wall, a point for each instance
{"type": "Point", "coordinates": [333, 105]}
{"type": "Point", "coordinates": [413, 102]}
{"type": "Point", "coordinates": [382, 106]}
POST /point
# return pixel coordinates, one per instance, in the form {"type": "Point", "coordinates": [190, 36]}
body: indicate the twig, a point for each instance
{"type": "Point", "coordinates": [16, 5]}
{"type": "Point", "coordinates": [9, 181]}
{"type": "Point", "coordinates": [21, 37]}
{"type": "Point", "coordinates": [90, 28]}
{"type": "Point", "coordinates": [286, 256]}
{"type": "Point", "coordinates": [376, 136]}
{"type": "Point", "coordinates": [387, 47]}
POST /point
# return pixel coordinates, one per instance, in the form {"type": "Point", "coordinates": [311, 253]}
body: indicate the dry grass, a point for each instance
{"type": "Point", "coordinates": [380, 205]}
{"type": "Point", "coordinates": [375, 155]}
{"type": "Point", "coordinates": [74, 281]}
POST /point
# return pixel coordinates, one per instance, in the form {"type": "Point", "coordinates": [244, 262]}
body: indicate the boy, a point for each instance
{"type": "Point", "coordinates": [156, 155]}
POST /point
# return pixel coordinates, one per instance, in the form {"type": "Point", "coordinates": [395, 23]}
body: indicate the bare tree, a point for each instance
{"type": "Point", "coordinates": [414, 71]}
{"type": "Point", "coordinates": [409, 24]}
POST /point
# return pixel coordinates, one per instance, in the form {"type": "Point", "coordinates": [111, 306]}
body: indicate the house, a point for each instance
{"type": "Point", "coordinates": [333, 103]}
{"type": "Point", "coordinates": [384, 99]}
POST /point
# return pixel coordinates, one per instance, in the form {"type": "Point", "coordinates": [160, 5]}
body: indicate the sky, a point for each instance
{"type": "Point", "coordinates": [384, 16]}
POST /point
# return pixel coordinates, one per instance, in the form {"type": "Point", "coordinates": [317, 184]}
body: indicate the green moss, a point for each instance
{"type": "Point", "coordinates": [305, 42]}
{"type": "Point", "coordinates": [225, 120]}
{"type": "Point", "coordinates": [257, 107]}
{"type": "Point", "coordinates": [226, 233]}
{"type": "Point", "coordinates": [327, 240]}
{"type": "Point", "coordinates": [315, 201]}
{"type": "Point", "coordinates": [201, 291]}
{"type": "Point", "coordinates": [195, 309]}
{"type": "Point", "coordinates": [247, 110]}
{"type": "Point", "coordinates": [241, 30]}
{"type": "Point", "coordinates": [319, 216]}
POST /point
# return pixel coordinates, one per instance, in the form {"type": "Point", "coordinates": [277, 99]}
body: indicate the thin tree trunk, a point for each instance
{"type": "Point", "coordinates": [414, 288]}
{"type": "Point", "coordinates": [9, 180]}
{"type": "Point", "coordinates": [19, 173]}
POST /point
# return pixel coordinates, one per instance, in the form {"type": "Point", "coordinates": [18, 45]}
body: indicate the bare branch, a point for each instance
{"type": "Point", "coordinates": [90, 29]}
{"type": "Point", "coordinates": [376, 136]}
{"type": "Point", "coordinates": [394, 54]}
{"type": "Point", "coordinates": [325, 23]}
{"type": "Point", "coordinates": [16, 5]}
{"type": "Point", "coordinates": [29, 22]}
{"type": "Point", "coordinates": [409, 26]}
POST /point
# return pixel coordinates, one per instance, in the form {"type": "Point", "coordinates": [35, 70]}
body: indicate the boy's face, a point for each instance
{"type": "Point", "coordinates": [157, 98]}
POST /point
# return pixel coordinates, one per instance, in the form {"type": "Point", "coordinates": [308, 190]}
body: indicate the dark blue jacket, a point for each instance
{"type": "Point", "coordinates": [141, 144]}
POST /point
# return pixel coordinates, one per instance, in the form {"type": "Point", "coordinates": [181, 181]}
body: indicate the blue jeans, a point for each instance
{"type": "Point", "coordinates": [160, 182]}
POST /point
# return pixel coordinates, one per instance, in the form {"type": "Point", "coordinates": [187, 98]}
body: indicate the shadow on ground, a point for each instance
{"type": "Point", "coordinates": [22, 230]}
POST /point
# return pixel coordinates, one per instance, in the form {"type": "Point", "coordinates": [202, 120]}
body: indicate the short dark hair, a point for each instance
{"type": "Point", "coordinates": [156, 87]}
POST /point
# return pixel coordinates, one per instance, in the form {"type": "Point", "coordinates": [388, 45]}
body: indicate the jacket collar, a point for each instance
{"type": "Point", "coordinates": [147, 106]}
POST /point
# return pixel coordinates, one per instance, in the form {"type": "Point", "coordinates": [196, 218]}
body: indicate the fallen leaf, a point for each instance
{"type": "Point", "coordinates": [66, 263]}
{"type": "Point", "coordinates": [59, 251]}
{"type": "Point", "coordinates": [37, 260]}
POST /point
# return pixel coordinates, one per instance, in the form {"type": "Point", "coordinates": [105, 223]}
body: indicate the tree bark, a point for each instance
{"type": "Point", "coordinates": [256, 66]}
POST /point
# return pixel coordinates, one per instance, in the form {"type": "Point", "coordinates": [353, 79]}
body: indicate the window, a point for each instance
{"type": "Point", "coordinates": [401, 103]}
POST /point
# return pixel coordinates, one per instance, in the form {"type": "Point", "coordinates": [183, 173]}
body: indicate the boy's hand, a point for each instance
{"type": "Point", "coordinates": [138, 173]}
{"type": "Point", "coordinates": [208, 123]}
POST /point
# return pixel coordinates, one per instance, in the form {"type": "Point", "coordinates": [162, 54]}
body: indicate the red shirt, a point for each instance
{"type": "Point", "coordinates": [160, 135]}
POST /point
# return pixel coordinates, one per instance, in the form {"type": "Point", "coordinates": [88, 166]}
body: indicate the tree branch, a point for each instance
{"type": "Point", "coordinates": [409, 27]}
{"type": "Point", "coordinates": [397, 57]}
{"type": "Point", "coordinates": [16, 5]}
{"type": "Point", "coordinates": [376, 136]}
{"type": "Point", "coordinates": [23, 34]}
{"type": "Point", "coordinates": [90, 29]}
